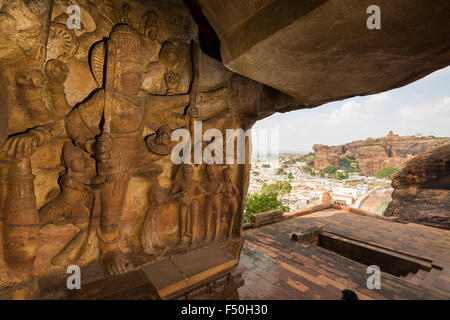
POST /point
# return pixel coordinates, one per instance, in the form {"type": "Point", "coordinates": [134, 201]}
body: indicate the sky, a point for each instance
{"type": "Point", "coordinates": [422, 107]}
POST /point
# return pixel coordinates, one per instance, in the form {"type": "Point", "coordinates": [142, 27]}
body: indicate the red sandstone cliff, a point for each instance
{"type": "Point", "coordinates": [422, 189]}
{"type": "Point", "coordinates": [373, 154]}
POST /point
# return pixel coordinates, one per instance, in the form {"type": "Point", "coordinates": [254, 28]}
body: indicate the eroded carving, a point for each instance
{"type": "Point", "coordinates": [187, 191]}
{"type": "Point", "coordinates": [103, 157]}
{"type": "Point", "coordinates": [73, 203]}
{"type": "Point", "coordinates": [230, 194]}
{"type": "Point", "coordinates": [213, 187]}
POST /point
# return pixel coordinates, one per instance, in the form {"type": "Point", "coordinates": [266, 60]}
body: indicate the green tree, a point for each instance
{"type": "Point", "coordinates": [307, 157]}
{"type": "Point", "coordinates": [349, 164]}
{"type": "Point", "coordinates": [290, 176]}
{"type": "Point", "coordinates": [309, 170]}
{"type": "Point", "coordinates": [266, 166]}
{"type": "Point", "coordinates": [386, 172]}
{"type": "Point", "coordinates": [330, 170]}
{"type": "Point", "coordinates": [339, 175]}
{"type": "Point", "coordinates": [260, 202]}
{"type": "Point", "coordinates": [280, 187]}
{"type": "Point", "coordinates": [280, 171]}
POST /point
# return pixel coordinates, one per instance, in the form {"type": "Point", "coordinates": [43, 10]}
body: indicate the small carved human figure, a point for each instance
{"type": "Point", "coordinates": [42, 93]}
{"type": "Point", "coordinates": [187, 191]}
{"type": "Point", "coordinates": [230, 193]}
{"type": "Point", "coordinates": [213, 187]}
{"type": "Point", "coordinates": [69, 206]}
{"type": "Point", "coordinates": [150, 238]}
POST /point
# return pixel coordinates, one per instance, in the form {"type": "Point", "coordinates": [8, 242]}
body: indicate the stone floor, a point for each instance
{"type": "Point", "coordinates": [275, 267]}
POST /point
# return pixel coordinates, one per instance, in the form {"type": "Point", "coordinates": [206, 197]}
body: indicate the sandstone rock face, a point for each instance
{"type": "Point", "coordinates": [86, 119]}
{"type": "Point", "coordinates": [422, 189]}
{"type": "Point", "coordinates": [319, 51]}
{"type": "Point", "coordinates": [374, 154]}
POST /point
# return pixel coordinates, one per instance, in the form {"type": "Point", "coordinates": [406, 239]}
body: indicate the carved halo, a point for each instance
{"type": "Point", "coordinates": [97, 61]}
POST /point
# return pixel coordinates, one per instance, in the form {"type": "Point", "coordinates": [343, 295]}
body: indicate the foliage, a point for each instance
{"type": "Point", "coordinates": [338, 175]}
{"type": "Point", "coordinates": [309, 170]}
{"type": "Point", "coordinates": [307, 157]}
{"type": "Point", "coordinates": [279, 187]}
{"type": "Point", "coordinates": [332, 173]}
{"type": "Point", "coordinates": [260, 202]}
{"type": "Point", "coordinates": [265, 165]}
{"type": "Point", "coordinates": [280, 171]}
{"type": "Point", "coordinates": [349, 164]}
{"type": "Point", "coordinates": [290, 176]}
{"type": "Point", "coordinates": [386, 172]}
{"type": "Point", "coordinates": [329, 170]}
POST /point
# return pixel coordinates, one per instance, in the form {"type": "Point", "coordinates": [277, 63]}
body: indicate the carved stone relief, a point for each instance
{"type": "Point", "coordinates": [85, 169]}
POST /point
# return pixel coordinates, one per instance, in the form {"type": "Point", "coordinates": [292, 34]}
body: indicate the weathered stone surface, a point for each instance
{"type": "Point", "coordinates": [319, 51]}
{"type": "Point", "coordinates": [86, 115]}
{"type": "Point", "coordinates": [86, 174]}
{"type": "Point", "coordinates": [374, 154]}
{"type": "Point", "coordinates": [422, 189]}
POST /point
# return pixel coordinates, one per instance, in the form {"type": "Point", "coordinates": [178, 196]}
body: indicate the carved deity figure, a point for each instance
{"type": "Point", "coordinates": [72, 203]}
{"type": "Point", "coordinates": [187, 191]}
{"type": "Point", "coordinates": [230, 193]}
{"type": "Point", "coordinates": [109, 125]}
{"type": "Point", "coordinates": [213, 187]}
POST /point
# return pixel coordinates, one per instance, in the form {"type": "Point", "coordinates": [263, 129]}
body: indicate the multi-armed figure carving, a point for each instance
{"type": "Point", "coordinates": [117, 144]}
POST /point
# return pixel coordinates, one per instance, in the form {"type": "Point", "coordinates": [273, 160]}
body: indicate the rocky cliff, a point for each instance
{"type": "Point", "coordinates": [373, 154]}
{"type": "Point", "coordinates": [422, 189]}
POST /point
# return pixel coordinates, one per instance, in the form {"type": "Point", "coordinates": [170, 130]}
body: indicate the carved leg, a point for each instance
{"type": "Point", "coordinates": [194, 221]}
{"type": "Point", "coordinates": [218, 212]}
{"type": "Point", "coordinates": [233, 210]}
{"type": "Point", "coordinates": [209, 213]}
{"type": "Point", "coordinates": [112, 200]}
{"type": "Point", "coordinates": [71, 250]}
{"type": "Point", "coordinates": [183, 222]}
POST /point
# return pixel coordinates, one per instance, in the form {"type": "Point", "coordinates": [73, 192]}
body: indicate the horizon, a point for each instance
{"type": "Point", "coordinates": [421, 107]}
{"type": "Point", "coordinates": [312, 151]}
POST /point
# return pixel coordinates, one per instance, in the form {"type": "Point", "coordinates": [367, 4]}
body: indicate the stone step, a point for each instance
{"type": "Point", "coordinates": [421, 274]}
{"type": "Point", "coordinates": [409, 276]}
{"type": "Point", "coordinates": [418, 277]}
{"type": "Point", "coordinates": [432, 276]}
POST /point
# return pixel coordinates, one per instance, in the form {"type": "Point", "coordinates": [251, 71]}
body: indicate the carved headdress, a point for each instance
{"type": "Point", "coordinates": [127, 51]}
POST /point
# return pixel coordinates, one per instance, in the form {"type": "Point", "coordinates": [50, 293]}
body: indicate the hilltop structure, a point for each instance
{"type": "Point", "coordinates": [372, 154]}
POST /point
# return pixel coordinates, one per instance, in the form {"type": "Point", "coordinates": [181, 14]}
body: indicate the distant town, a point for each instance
{"type": "Point", "coordinates": [356, 174]}
{"type": "Point", "coordinates": [308, 185]}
